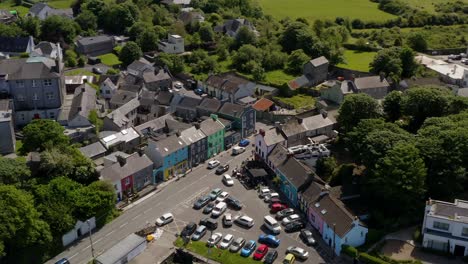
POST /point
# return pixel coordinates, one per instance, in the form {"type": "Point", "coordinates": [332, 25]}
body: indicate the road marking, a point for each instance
{"type": "Point", "coordinates": [73, 256]}
{"type": "Point", "coordinates": [135, 217]}
{"type": "Point", "coordinates": [108, 234]}
{"type": "Point", "coordinates": [98, 240]}
{"type": "Point", "coordinates": [86, 248]}
{"type": "Point", "coordinates": [147, 210]}
{"type": "Point", "coordinates": [124, 224]}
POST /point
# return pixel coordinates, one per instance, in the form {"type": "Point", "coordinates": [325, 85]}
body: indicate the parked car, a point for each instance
{"type": "Point", "coordinates": [248, 248]}
{"type": "Point", "coordinates": [199, 233]}
{"type": "Point", "coordinates": [298, 252]}
{"type": "Point", "coordinates": [237, 244]}
{"type": "Point", "coordinates": [213, 164]}
{"type": "Point", "coordinates": [198, 91]}
{"type": "Point", "coordinates": [227, 180]}
{"type": "Point", "coordinates": [270, 257]}
{"type": "Point", "coordinates": [97, 70]}
{"type": "Point", "coordinates": [244, 143]}
{"type": "Point", "coordinates": [307, 237]}
{"type": "Point", "coordinates": [276, 207]}
{"type": "Point", "coordinates": [244, 221]}
{"type": "Point", "coordinates": [209, 208]}
{"type": "Point", "coordinates": [165, 219]}
{"type": "Point", "coordinates": [293, 226]}
{"type": "Point", "coordinates": [226, 242]}
{"type": "Point", "coordinates": [221, 197]}
{"type": "Point", "coordinates": [222, 169]}
{"type": "Point", "coordinates": [291, 218]}
{"type": "Point", "coordinates": [269, 196]}
{"type": "Point", "coordinates": [178, 85]}
{"type": "Point", "coordinates": [284, 213]}
{"type": "Point", "coordinates": [270, 240]}
{"type": "Point", "coordinates": [263, 192]}
{"type": "Point", "coordinates": [274, 200]}
{"type": "Point", "coordinates": [233, 203]}
{"type": "Point", "coordinates": [261, 251]}
{"type": "Point", "coordinates": [63, 261]}
{"type": "Point", "coordinates": [227, 220]}
{"type": "Point", "coordinates": [289, 259]}
{"type": "Point", "coordinates": [214, 239]}
{"type": "Point", "coordinates": [189, 229]}
{"type": "Point", "coordinates": [209, 223]}
{"type": "Point", "coordinates": [201, 202]}
{"type": "Point", "coordinates": [219, 209]}
{"type": "Point", "coordinates": [214, 193]}
{"type": "Point", "coordinates": [237, 150]}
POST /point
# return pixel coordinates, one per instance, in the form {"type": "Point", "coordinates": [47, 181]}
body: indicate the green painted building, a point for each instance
{"type": "Point", "coordinates": [214, 131]}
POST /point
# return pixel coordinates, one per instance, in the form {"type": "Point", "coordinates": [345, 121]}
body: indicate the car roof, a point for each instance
{"type": "Point", "coordinates": [289, 256]}
{"type": "Point", "coordinates": [167, 215]}
{"type": "Point", "coordinates": [201, 227]}
{"type": "Point", "coordinates": [216, 190]}
{"type": "Point", "coordinates": [228, 236]}
{"type": "Point", "coordinates": [239, 239]}
{"type": "Point", "coordinates": [247, 218]}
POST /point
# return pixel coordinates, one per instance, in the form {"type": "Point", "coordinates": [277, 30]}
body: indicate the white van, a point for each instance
{"type": "Point", "coordinates": [272, 224]}
{"type": "Point", "coordinates": [219, 209]}
{"type": "Point", "coordinates": [237, 150]}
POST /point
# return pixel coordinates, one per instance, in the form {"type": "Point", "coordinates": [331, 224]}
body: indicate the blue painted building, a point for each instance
{"type": "Point", "coordinates": [294, 178]}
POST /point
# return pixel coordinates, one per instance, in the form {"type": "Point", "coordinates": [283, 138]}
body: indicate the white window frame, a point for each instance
{"type": "Point", "coordinates": [35, 97]}
{"type": "Point", "coordinates": [50, 95]}
{"type": "Point", "coordinates": [47, 82]}
{"type": "Point", "coordinates": [20, 83]}
{"type": "Point", "coordinates": [34, 83]}
{"type": "Point", "coordinates": [20, 98]}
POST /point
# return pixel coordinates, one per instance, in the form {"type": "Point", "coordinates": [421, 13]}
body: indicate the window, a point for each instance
{"type": "Point", "coordinates": [20, 83]}
{"type": "Point", "coordinates": [260, 143]}
{"type": "Point", "coordinates": [107, 92]}
{"type": "Point", "coordinates": [50, 95]}
{"type": "Point", "coordinates": [34, 84]}
{"type": "Point", "coordinates": [465, 231]}
{"type": "Point", "coordinates": [48, 82]}
{"type": "Point", "coordinates": [441, 226]}
{"type": "Point", "coordinates": [35, 97]}
{"type": "Point", "coordinates": [127, 181]}
{"type": "Point", "coordinates": [51, 115]}
{"type": "Point", "coordinates": [20, 98]}
{"type": "Point", "coordinates": [22, 117]}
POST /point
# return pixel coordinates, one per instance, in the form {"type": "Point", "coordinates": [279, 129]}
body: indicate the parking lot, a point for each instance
{"type": "Point", "coordinates": [253, 206]}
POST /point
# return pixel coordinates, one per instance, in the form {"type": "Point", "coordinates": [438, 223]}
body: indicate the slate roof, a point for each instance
{"type": "Point", "coordinates": [130, 87]}
{"type": "Point", "coordinates": [14, 44]}
{"type": "Point", "coordinates": [29, 68]}
{"type": "Point", "coordinates": [37, 8]}
{"type": "Point", "coordinates": [169, 145]}
{"type": "Point", "coordinates": [295, 171]}
{"type": "Point", "coordinates": [231, 109]}
{"type": "Point", "coordinates": [147, 98]}
{"type": "Point", "coordinates": [209, 104]}
{"type": "Point", "coordinates": [292, 127]}
{"type": "Point", "coordinates": [191, 135]}
{"type": "Point", "coordinates": [139, 65]}
{"type": "Point", "coordinates": [333, 212]}
{"type": "Point", "coordinates": [84, 100]}
{"type": "Point", "coordinates": [226, 82]}
{"type": "Point", "coordinates": [118, 115]}
{"type": "Point", "coordinates": [316, 122]}
{"type": "Point", "coordinates": [370, 82]}
{"type": "Point", "coordinates": [155, 124]}
{"type": "Point", "coordinates": [211, 126]}
{"type": "Point", "coordinates": [174, 125]}
{"type": "Point", "coordinates": [164, 97]}
{"type": "Point", "coordinates": [273, 136]}
{"type": "Point", "coordinates": [122, 97]}
{"type": "Point", "coordinates": [188, 17]}
{"type": "Point", "coordinates": [161, 75]}
{"type": "Point", "coordinates": [189, 103]}
{"type": "Point", "coordinates": [114, 78]}
{"type": "Point", "coordinates": [298, 82]}
{"type": "Point", "coordinates": [319, 61]}
{"type": "Point", "coordinates": [109, 83]}
{"type": "Point", "coordinates": [45, 47]}
{"type": "Point", "coordinates": [94, 40]}
{"type": "Point", "coordinates": [263, 104]}
{"type": "Point", "coordinates": [232, 26]}
{"type": "Point", "coordinates": [93, 150]}
{"type": "Point", "coordinates": [134, 163]}
{"type": "Point", "coordinates": [278, 155]}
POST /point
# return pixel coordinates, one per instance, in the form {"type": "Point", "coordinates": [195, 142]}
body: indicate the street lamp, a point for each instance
{"type": "Point", "coordinates": [90, 238]}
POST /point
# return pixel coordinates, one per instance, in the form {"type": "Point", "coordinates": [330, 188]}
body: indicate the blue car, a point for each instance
{"type": "Point", "coordinates": [248, 248]}
{"type": "Point", "coordinates": [244, 143]}
{"type": "Point", "coordinates": [198, 91]}
{"type": "Point", "coordinates": [269, 240]}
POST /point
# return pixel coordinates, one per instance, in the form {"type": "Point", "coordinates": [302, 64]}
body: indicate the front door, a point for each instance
{"type": "Point", "coordinates": [459, 251]}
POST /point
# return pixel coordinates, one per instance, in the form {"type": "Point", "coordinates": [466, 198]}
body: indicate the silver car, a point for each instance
{"type": "Point", "coordinates": [237, 244]}
{"type": "Point", "coordinates": [214, 239]}
{"type": "Point", "coordinates": [298, 252]}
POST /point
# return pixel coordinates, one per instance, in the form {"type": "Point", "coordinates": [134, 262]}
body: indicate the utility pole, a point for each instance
{"type": "Point", "coordinates": [90, 238]}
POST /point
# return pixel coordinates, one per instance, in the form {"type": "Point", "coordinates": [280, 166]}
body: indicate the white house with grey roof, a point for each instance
{"type": "Point", "coordinates": [84, 101]}
{"type": "Point", "coordinates": [42, 11]}
{"type": "Point", "coordinates": [140, 66]}
{"type": "Point", "coordinates": [314, 72]}
{"type": "Point", "coordinates": [174, 44]}
{"type": "Point", "coordinates": [107, 88]}
{"type": "Point", "coordinates": [445, 226]}
{"type": "Point", "coordinates": [266, 140]}
{"type": "Point", "coordinates": [125, 140]}
{"type": "Point", "coordinates": [122, 117]}
{"type": "Point", "coordinates": [229, 87]}
{"type": "Point", "coordinates": [47, 49]}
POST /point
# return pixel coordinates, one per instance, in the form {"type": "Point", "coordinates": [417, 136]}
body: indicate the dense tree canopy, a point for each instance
{"type": "Point", "coordinates": [356, 107]}
{"type": "Point", "coordinates": [395, 63]}
{"type": "Point", "coordinates": [58, 29]}
{"type": "Point", "coordinates": [13, 171]}
{"type": "Point", "coordinates": [130, 52]}
{"type": "Point", "coordinates": [43, 133]}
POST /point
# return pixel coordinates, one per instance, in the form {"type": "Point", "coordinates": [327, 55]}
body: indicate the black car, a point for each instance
{"type": "Point", "coordinates": [307, 237]}
{"type": "Point", "coordinates": [233, 203]}
{"type": "Point", "coordinates": [201, 202]}
{"type": "Point", "coordinates": [294, 226]}
{"type": "Point", "coordinates": [284, 213]}
{"type": "Point", "coordinates": [270, 257]}
{"type": "Point", "coordinates": [209, 208]}
{"type": "Point", "coordinates": [222, 169]}
{"type": "Point", "coordinates": [189, 229]}
{"type": "Point", "coordinates": [209, 223]}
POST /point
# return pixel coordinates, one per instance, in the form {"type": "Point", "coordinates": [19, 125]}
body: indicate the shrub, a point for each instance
{"type": "Point", "coordinates": [366, 258]}
{"type": "Point", "coordinates": [417, 235]}
{"type": "Point", "coordinates": [350, 251]}
{"type": "Point", "coordinates": [374, 235]}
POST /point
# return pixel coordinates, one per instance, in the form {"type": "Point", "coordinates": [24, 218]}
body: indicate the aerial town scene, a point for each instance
{"type": "Point", "coordinates": [233, 131]}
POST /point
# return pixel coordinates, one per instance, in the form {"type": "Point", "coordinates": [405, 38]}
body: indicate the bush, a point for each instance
{"type": "Point", "coordinates": [417, 237]}
{"type": "Point", "coordinates": [350, 251]}
{"type": "Point", "coordinates": [374, 235]}
{"type": "Point", "coordinates": [366, 258]}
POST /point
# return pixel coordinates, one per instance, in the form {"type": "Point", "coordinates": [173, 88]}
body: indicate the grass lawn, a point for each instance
{"type": "Point", "coordinates": [60, 4]}
{"type": "Point", "coordinates": [278, 77]}
{"type": "Point", "coordinates": [18, 146]}
{"type": "Point", "coordinates": [10, 5]}
{"type": "Point", "coordinates": [79, 72]}
{"type": "Point", "coordinates": [110, 59]}
{"type": "Point", "coordinates": [221, 256]}
{"type": "Point", "coordinates": [429, 5]}
{"type": "Point", "coordinates": [324, 9]}
{"type": "Point", "coordinates": [298, 101]}
{"type": "Point", "coordinates": [357, 60]}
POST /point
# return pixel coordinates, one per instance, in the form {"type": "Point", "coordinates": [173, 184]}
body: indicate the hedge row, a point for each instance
{"type": "Point", "coordinates": [350, 251]}
{"type": "Point", "coordinates": [366, 258]}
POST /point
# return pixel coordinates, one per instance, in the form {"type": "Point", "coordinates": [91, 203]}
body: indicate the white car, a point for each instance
{"type": "Point", "coordinates": [291, 218]}
{"type": "Point", "coordinates": [244, 221]}
{"type": "Point", "coordinates": [269, 196]}
{"type": "Point", "coordinates": [298, 252]}
{"type": "Point", "coordinates": [263, 192]}
{"type": "Point", "coordinates": [165, 219]}
{"type": "Point", "coordinates": [221, 197]}
{"type": "Point", "coordinates": [214, 239]}
{"type": "Point", "coordinates": [213, 164]}
{"type": "Point", "coordinates": [226, 242]}
{"type": "Point", "coordinates": [227, 179]}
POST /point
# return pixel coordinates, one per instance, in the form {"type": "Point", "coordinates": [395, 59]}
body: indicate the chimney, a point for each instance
{"type": "Point", "coordinates": [121, 160]}
{"type": "Point", "coordinates": [299, 120]}
{"type": "Point", "coordinates": [382, 77]}
{"type": "Point", "coordinates": [324, 113]}
{"type": "Point", "coordinates": [58, 65]}
{"type": "Point", "coordinates": [262, 132]}
{"type": "Point", "coordinates": [197, 125]}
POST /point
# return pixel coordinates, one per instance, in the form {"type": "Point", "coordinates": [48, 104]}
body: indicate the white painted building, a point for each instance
{"type": "Point", "coordinates": [174, 44]}
{"type": "Point", "coordinates": [445, 226]}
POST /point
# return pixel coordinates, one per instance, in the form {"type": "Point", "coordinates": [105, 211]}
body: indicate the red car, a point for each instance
{"type": "Point", "coordinates": [276, 207]}
{"type": "Point", "coordinates": [261, 251]}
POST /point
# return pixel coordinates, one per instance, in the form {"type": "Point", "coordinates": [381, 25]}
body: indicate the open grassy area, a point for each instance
{"type": "Point", "coordinates": [60, 4]}
{"type": "Point", "coordinates": [357, 60]}
{"type": "Point", "coordinates": [79, 72]}
{"type": "Point", "coordinates": [10, 5]}
{"type": "Point", "coordinates": [298, 101]}
{"type": "Point", "coordinates": [429, 5]}
{"type": "Point", "coordinates": [324, 9]}
{"type": "Point", "coordinates": [219, 255]}
{"type": "Point", "coordinates": [110, 59]}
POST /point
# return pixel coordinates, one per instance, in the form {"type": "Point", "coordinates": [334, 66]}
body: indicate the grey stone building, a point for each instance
{"type": "Point", "coordinates": [7, 132]}
{"type": "Point", "coordinates": [208, 106]}
{"type": "Point", "coordinates": [186, 108]}
{"type": "Point", "coordinates": [197, 143]}
{"type": "Point", "coordinates": [243, 117]}
{"type": "Point", "coordinates": [95, 46]}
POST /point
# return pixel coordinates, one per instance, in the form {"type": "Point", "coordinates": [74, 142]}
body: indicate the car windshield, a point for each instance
{"type": "Point", "coordinates": [248, 245]}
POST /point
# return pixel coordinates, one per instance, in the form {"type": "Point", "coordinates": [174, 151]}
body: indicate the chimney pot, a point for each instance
{"type": "Point", "coordinates": [121, 160]}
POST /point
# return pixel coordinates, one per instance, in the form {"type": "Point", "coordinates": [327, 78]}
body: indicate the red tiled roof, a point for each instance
{"type": "Point", "coordinates": [262, 104]}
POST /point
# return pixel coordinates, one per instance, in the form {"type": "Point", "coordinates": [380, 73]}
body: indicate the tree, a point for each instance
{"type": "Point", "coordinates": [245, 54]}
{"type": "Point", "coordinates": [58, 29]}
{"type": "Point", "coordinates": [417, 41]}
{"type": "Point", "coordinates": [356, 107]}
{"type": "Point", "coordinates": [206, 33]}
{"type": "Point", "coordinates": [408, 63]}
{"type": "Point", "coordinates": [392, 105]}
{"type": "Point", "coordinates": [258, 73]}
{"type": "Point", "coordinates": [137, 29]}
{"type": "Point", "coordinates": [13, 171]}
{"type": "Point", "coordinates": [87, 20]}
{"type": "Point", "coordinates": [95, 120]}
{"type": "Point", "coordinates": [325, 167]}
{"type": "Point", "coordinates": [388, 61]}
{"type": "Point", "coordinates": [97, 199]}
{"type": "Point", "coordinates": [21, 224]}
{"type": "Point", "coordinates": [297, 35]}
{"type": "Point", "coordinates": [245, 36]}
{"type": "Point", "coordinates": [41, 134]}
{"type": "Point", "coordinates": [130, 52]}
{"type": "Point", "coordinates": [118, 17]}
{"type": "Point", "coordinates": [274, 59]}
{"type": "Point", "coordinates": [398, 181]}
{"type": "Point", "coordinates": [31, 25]}
{"type": "Point", "coordinates": [11, 30]}
{"type": "Point", "coordinates": [296, 61]}
{"type": "Point", "coordinates": [148, 40]}
{"type": "Point", "coordinates": [70, 58]}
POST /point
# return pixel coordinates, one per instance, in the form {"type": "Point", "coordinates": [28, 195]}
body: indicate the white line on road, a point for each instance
{"type": "Point", "coordinates": [147, 210]}
{"type": "Point", "coordinates": [124, 224]}
{"type": "Point", "coordinates": [108, 234]}
{"type": "Point", "coordinates": [86, 248]}
{"type": "Point", "coordinates": [135, 217]}
{"type": "Point", "coordinates": [74, 255]}
{"type": "Point", "coordinates": [98, 240]}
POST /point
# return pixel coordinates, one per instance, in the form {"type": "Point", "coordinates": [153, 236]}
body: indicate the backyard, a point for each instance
{"type": "Point", "coordinates": [324, 9]}
{"type": "Point", "coordinates": [10, 5]}
{"type": "Point", "coordinates": [357, 60]}
{"type": "Point", "coordinates": [298, 101]}
{"type": "Point", "coordinates": [79, 71]}
{"type": "Point", "coordinates": [110, 59]}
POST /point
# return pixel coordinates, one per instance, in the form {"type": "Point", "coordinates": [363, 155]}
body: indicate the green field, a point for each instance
{"type": "Point", "coordinates": [429, 5]}
{"type": "Point", "coordinates": [357, 60]}
{"type": "Point", "coordinates": [10, 5]}
{"type": "Point", "coordinates": [110, 59]}
{"type": "Point", "coordinates": [60, 4]}
{"type": "Point", "coordinates": [324, 9]}
{"type": "Point", "coordinates": [298, 101]}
